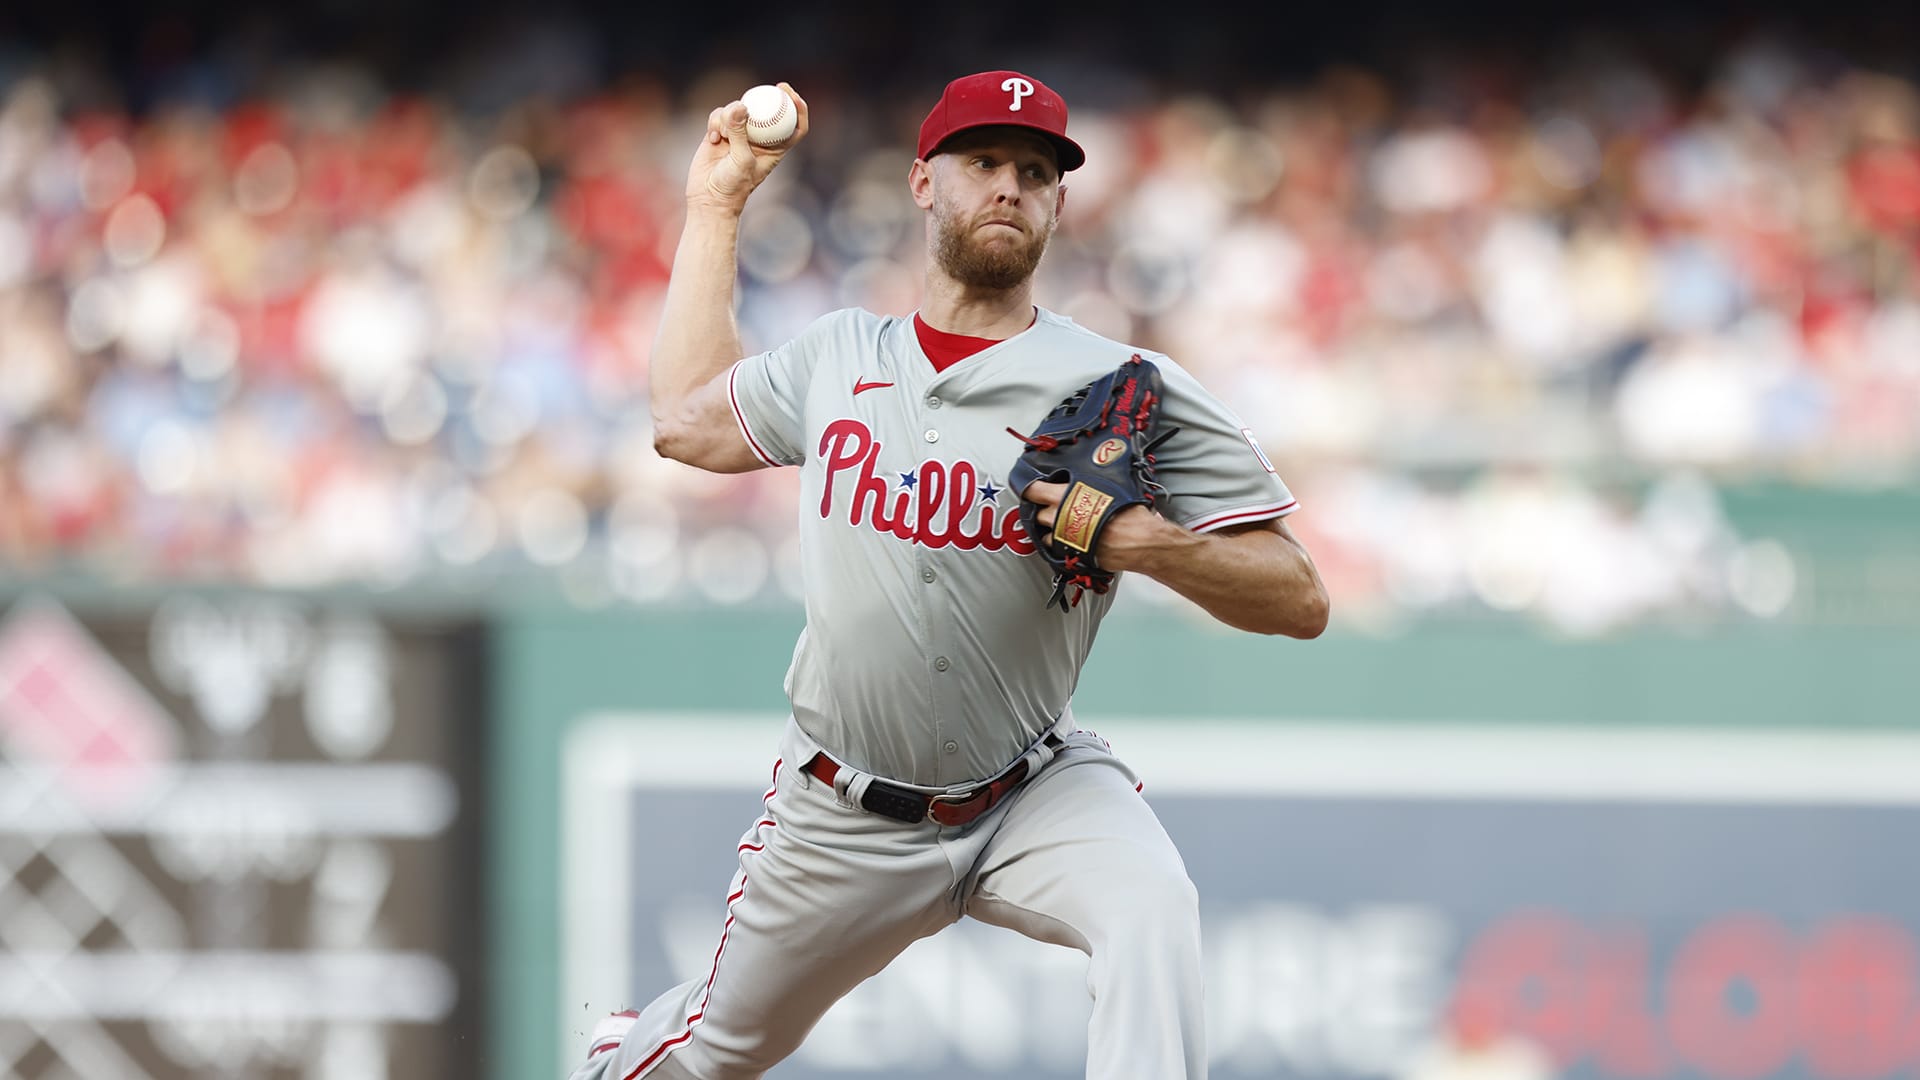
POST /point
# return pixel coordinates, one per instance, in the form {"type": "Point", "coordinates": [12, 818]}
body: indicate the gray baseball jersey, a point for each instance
{"type": "Point", "coordinates": [928, 655]}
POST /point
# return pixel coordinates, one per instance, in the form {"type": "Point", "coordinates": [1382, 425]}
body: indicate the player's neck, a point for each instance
{"type": "Point", "coordinates": [986, 313]}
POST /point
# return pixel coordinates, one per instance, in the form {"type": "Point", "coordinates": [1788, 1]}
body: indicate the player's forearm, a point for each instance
{"type": "Point", "coordinates": [1253, 579]}
{"type": "Point", "coordinates": [698, 338]}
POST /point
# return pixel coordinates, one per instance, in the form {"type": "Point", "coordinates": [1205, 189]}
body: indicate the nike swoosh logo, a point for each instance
{"type": "Point", "coordinates": [862, 385]}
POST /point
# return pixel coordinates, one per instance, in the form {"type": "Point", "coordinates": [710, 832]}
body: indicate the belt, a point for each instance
{"type": "Point", "coordinates": [950, 808]}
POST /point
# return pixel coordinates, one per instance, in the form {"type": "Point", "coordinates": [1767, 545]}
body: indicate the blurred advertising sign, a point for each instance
{"type": "Point", "coordinates": [222, 854]}
{"type": "Point", "coordinates": [1380, 900]}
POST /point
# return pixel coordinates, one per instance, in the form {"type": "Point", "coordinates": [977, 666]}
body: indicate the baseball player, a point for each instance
{"type": "Point", "coordinates": [932, 768]}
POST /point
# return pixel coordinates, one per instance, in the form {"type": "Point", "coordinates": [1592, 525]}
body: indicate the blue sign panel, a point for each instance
{"type": "Point", "coordinates": [1351, 936]}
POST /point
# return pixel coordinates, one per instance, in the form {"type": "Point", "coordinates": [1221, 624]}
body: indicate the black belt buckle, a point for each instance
{"type": "Point", "coordinates": [897, 803]}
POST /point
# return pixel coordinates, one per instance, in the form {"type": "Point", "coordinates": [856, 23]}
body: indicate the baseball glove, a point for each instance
{"type": "Point", "coordinates": [1100, 443]}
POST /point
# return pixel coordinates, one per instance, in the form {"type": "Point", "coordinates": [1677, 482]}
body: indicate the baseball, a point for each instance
{"type": "Point", "coordinates": [771, 115]}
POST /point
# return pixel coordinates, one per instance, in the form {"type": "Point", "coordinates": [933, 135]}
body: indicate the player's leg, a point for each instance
{"type": "Point", "coordinates": [825, 897]}
{"type": "Point", "coordinates": [1080, 860]}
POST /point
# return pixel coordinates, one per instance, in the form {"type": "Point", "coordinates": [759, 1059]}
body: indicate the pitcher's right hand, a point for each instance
{"type": "Point", "coordinates": [727, 167]}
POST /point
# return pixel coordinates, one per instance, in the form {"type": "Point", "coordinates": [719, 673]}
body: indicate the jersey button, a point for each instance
{"type": "Point", "coordinates": [951, 747]}
{"type": "Point", "coordinates": [941, 664]}
{"type": "Point", "coordinates": [932, 435]}
{"type": "Point", "coordinates": [927, 575]}
{"type": "Point", "coordinates": [933, 403]}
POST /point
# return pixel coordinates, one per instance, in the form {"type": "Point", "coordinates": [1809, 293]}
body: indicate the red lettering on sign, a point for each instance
{"type": "Point", "coordinates": [1625, 1030]}
{"type": "Point", "coordinates": [1729, 998]}
{"type": "Point", "coordinates": [1740, 998]}
{"type": "Point", "coordinates": [1855, 983]}
{"type": "Point", "coordinates": [1524, 974]}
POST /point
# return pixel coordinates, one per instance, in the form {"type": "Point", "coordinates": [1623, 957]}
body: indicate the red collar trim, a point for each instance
{"type": "Point", "coordinates": [946, 350]}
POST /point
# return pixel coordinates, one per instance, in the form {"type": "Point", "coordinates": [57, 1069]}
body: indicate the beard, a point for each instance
{"type": "Point", "coordinates": [978, 263]}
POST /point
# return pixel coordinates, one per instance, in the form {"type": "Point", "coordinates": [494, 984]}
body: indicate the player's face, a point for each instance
{"type": "Point", "coordinates": [995, 197]}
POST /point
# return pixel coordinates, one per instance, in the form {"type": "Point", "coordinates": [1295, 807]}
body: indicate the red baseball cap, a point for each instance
{"type": "Point", "coordinates": [999, 98]}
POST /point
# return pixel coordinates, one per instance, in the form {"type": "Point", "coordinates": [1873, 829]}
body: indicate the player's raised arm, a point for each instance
{"type": "Point", "coordinates": [698, 340]}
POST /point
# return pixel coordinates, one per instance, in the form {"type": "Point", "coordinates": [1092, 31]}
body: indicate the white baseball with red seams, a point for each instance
{"type": "Point", "coordinates": [771, 115]}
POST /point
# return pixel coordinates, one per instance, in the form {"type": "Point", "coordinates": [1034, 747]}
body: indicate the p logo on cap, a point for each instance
{"type": "Point", "coordinates": [1000, 98]}
{"type": "Point", "coordinates": [1020, 88]}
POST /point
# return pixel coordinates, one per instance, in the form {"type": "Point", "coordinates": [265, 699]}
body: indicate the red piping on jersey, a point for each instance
{"type": "Point", "coordinates": [673, 1042]}
{"type": "Point", "coordinates": [1235, 517]}
{"type": "Point", "coordinates": [740, 418]}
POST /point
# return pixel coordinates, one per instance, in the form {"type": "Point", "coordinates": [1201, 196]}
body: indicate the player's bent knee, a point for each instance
{"type": "Point", "coordinates": [1174, 898]}
{"type": "Point", "coordinates": [1155, 904]}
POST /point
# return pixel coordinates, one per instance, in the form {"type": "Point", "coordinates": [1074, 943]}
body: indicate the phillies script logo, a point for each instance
{"type": "Point", "coordinates": [938, 504]}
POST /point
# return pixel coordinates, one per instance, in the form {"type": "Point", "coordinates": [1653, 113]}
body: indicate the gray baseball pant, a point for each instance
{"type": "Point", "coordinates": [827, 895]}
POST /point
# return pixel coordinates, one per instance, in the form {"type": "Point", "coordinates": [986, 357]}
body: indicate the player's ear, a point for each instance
{"type": "Point", "coordinates": [1059, 202]}
{"type": "Point", "coordinates": [920, 183]}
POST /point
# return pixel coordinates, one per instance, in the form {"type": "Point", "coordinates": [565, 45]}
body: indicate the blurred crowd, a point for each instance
{"type": "Point", "coordinates": [1504, 331]}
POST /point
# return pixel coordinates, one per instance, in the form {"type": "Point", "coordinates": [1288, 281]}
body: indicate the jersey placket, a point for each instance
{"type": "Point", "coordinates": [937, 608]}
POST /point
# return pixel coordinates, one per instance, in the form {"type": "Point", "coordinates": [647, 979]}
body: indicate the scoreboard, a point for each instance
{"type": "Point", "coordinates": [238, 839]}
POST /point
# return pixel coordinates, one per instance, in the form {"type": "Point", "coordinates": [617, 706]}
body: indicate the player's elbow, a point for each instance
{"type": "Point", "coordinates": [1304, 614]}
{"type": "Point", "coordinates": [1315, 608]}
{"type": "Point", "coordinates": [679, 436]}
{"type": "Point", "coordinates": [673, 440]}
{"type": "Point", "coordinates": [1300, 615]}
{"type": "Point", "coordinates": [690, 446]}
{"type": "Point", "coordinates": [703, 446]}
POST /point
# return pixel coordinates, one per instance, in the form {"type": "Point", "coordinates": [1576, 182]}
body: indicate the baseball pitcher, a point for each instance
{"type": "Point", "coordinates": [973, 478]}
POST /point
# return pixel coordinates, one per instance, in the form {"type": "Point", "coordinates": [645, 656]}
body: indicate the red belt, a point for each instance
{"type": "Point", "coordinates": [947, 808]}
